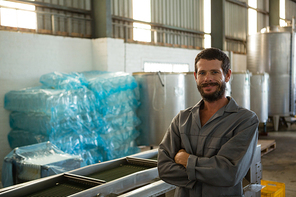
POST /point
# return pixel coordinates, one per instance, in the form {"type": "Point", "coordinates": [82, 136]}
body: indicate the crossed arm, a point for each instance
{"type": "Point", "coordinates": [226, 168]}
{"type": "Point", "coordinates": [181, 157]}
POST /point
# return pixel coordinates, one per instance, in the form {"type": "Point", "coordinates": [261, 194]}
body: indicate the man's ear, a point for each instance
{"type": "Point", "coordinates": [195, 75]}
{"type": "Point", "coordinates": [227, 77]}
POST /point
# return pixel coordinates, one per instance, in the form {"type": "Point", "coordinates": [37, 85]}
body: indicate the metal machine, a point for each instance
{"type": "Point", "coordinates": [259, 95]}
{"type": "Point", "coordinates": [135, 175]}
{"type": "Point", "coordinates": [102, 179]}
{"type": "Point", "coordinates": [240, 88]}
{"type": "Point", "coordinates": [273, 52]}
{"type": "Point", "coordinates": [163, 95]}
{"type": "Point", "coordinates": [36, 161]}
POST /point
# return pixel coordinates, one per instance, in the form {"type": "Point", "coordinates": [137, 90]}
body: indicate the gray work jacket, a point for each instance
{"type": "Point", "coordinates": [221, 151]}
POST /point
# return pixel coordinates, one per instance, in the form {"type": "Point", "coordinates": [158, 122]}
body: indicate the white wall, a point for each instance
{"type": "Point", "coordinates": [137, 54]}
{"type": "Point", "coordinates": [25, 57]}
{"type": "Point", "coordinates": [109, 54]}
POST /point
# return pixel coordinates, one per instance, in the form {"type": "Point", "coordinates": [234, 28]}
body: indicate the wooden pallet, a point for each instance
{"type": "Point", "coordinates": [267, 146]}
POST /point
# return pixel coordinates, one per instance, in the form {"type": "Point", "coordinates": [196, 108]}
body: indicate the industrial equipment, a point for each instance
{"type": "Point", "coordinates": [162, 96]}
{"type": "Point", "coordinates": [240, 88]}
{"type": "Point", "coordinates": [115, 176]}
{"type": "Point", "coordinates": [272, 51]}
{"type": "Point", "coordinates": [259, 95]}
{"type": "Point", "coordinates": [36, 161]}
{"type": "Point", "coordinates": [135, 175]}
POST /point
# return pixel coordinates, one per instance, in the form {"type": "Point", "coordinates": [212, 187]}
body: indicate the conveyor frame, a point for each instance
{"type": "Point", "coordinates": [142, 183]}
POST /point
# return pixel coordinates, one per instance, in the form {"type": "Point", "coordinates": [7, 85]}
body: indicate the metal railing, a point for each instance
{"type": "Point", "coordinates": [160, 34]}
{"type": "Point", "coordinates": [56, 24]}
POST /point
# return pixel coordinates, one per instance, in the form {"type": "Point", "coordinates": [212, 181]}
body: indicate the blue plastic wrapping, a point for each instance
{"type": "Point", "coordinates": [118, 103]}
{"type": "Point", "coordinates": [74, 141]}
{"type": "Point", "coordinates": [91, 155]}
{"type": "Point", "coordinates": [40, 123]}
{"type": "Point", "coordinates": [18, 138]}
{"type": "Point", "coordinates": [71, 135]}
{"type": "Point", "coordinates": [113, 141]}
{"type": "Point", "coordinates": [59, 80]}
{"type": "Point", "coordinates": [119, 123]}
{"type": "Point", "coordinates": [35, 122]}
{"type": "Point", "coordinates": [70, 138]}
{"type": "Point", "coordinates": [53, 102]}
{"type": "Point", "coordinates": [126, 148]}
{"type": "Point", "coordinates": [36, 100]}
{"type": "Point", "coordinates": [90, 114]}
{"type": "Point", "coordinates": [36, 161]}
{"type": "Point", "coordinates": [93, 74]}
{"type": "Point", "coordinates": [109, 83]}
{"type": "Point", "coordinates": [117, 99]}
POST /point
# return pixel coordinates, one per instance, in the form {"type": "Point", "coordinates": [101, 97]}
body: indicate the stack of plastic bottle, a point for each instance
{"type": "Point", "coordinates": [90, 114]}
{"type": "Point", "coordinates": [117, 99]}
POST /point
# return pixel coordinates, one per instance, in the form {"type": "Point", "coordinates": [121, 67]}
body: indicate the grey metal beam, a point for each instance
{"type": "Point", "coordinates": [102, 19]}
{"type": "Point", "coordinates": [218, 24]}
{"type": "Point", "coordinates": [274, 12]}
{"type": "Point", "coordinates": [235, 39]}
{"type": "Point", "coordinates": [243, 4]}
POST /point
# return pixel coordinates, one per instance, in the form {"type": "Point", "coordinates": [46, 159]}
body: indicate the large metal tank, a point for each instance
{"type": "Point", "coordinates": [271, 52]}
{"type": "Point", "coordinates": [240, 88]}
{"type": "Point", "coordinates": [228, 88]}
{"type": "Point", "coordinates": [192, 95]}
{"type": "Point", "coordinates": [259, 95]}
{"type": "Point", "coordinates": [162, 96]}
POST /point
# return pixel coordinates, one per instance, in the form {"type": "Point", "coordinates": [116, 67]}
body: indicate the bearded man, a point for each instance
{"type": "Point", "coordinates": [208, 148]}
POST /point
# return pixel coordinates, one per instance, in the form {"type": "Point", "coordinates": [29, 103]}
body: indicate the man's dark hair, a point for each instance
{"type": "Point", "coordinates": [214, 54]}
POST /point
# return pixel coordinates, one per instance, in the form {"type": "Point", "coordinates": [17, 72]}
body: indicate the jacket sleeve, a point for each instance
{"type": "Point", "coordinates": [233, 160]}
{"type": "Point", "coordinates": [168, 170]}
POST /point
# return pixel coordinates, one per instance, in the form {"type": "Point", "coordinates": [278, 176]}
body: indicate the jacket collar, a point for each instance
{"type": "Point", "coordinates": [232, 106]}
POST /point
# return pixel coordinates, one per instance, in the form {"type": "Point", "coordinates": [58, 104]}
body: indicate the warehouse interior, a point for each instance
{"type": "Point", "coordinates": [155, 42]}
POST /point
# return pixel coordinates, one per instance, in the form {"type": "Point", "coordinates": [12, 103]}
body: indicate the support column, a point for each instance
{"type": "Point", "coordinates": [274, 12]}
{"type": "Point", "coordinates": [218, 24]}
{"type": "Point", "coordinates": [102, 18]}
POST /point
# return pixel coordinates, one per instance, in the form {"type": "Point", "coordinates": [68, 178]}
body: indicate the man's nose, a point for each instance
{"type": "Point", "coordinates": [208, 77]}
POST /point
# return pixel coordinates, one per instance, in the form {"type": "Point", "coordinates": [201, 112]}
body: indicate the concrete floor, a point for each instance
{"type": "Point", "coordinates": [280, 164]}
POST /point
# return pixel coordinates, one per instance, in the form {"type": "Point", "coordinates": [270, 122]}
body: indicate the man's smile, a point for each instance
{"type": "Point", "coordinates": [209, 85]}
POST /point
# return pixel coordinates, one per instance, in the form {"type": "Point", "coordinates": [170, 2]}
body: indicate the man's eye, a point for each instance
{"type": "Point", "coordinates": [214, 72]}
{"type": "Point", "coordinates": [201, 73]}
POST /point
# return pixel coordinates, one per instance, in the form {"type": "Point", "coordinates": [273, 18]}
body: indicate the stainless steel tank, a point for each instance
{"type": "Point", "coordinates": [259, 95]}
{"type": "Point", "coordinates": [228, 88]}
{"type": "Point", "coordinates": [240, 88]}
{"type": "Point", "coordinates": [270, 52]}
{"type": "Point", "coordinates": [162, 96]}
{"type": "Point", "coordinates": [192, 95]}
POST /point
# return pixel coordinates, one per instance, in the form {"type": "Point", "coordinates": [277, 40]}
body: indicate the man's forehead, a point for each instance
{"type": "Point", "coordinates": [209, 60]}
{"type": "Point", "coordinates": [211, 69]}
{"type": "Point", "coordinates": [209, 64]}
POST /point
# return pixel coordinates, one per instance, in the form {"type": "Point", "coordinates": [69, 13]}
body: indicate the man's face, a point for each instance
{"type": "Point", "coordinates": [210, 79]}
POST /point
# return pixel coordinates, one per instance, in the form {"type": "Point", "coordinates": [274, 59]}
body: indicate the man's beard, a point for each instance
{"type": "Point", "coordinates": [218, 94]}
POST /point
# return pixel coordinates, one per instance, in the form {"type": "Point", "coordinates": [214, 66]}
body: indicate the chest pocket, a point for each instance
{"type": "Point", "coordinates": [213, 145]}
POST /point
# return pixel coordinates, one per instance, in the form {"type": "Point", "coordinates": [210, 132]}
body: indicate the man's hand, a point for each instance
{"type": "Point", "coordinates": [181, 157]}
